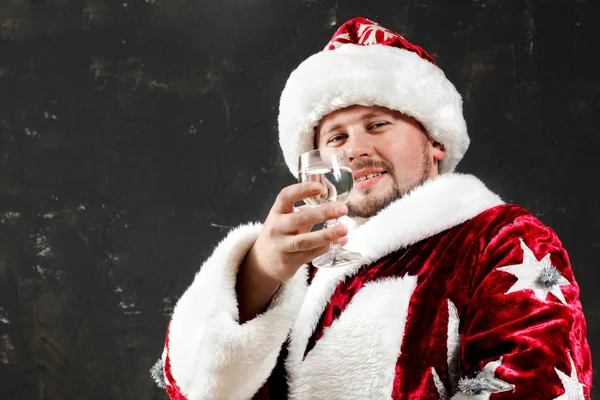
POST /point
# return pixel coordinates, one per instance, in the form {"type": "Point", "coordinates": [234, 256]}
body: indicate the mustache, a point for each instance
{"type": "Point", "coordinates": [362, 164]}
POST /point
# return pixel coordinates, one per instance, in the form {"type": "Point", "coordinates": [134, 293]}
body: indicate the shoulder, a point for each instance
{"type": "Point", "coordinates": [508, 234]}
{"type": "Point", "coordinates": [506, 219]}
{"type": "Point", "coordinates": [495, 236]}
{"type": "Point", "coordinates": [503, 213]}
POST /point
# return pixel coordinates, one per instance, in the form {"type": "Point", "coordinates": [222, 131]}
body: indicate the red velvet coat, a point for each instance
{"type": "Point", "coordinates": [482, 305]}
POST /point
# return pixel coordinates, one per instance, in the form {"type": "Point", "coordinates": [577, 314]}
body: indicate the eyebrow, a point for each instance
{"type": "Point", "coordinates": [362, 118]}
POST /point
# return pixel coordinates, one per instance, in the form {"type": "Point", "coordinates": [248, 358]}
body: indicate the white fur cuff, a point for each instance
{"type": "Point", "coordinates": [214, 357]}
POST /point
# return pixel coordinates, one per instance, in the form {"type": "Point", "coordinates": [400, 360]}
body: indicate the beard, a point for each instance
{"type": "Point", "coordinates": [368, 207]}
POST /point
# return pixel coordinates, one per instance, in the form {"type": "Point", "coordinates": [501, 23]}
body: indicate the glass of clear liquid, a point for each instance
{"type": "Point", "coordinates": [331, 168]}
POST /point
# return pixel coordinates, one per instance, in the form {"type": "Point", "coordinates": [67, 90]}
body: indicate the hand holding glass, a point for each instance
{"type": "Point", "coordinates": [331, 168]}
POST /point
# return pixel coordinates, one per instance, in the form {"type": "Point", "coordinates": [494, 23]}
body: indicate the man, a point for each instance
{"type": "Point", "coordinates": [458, 295]}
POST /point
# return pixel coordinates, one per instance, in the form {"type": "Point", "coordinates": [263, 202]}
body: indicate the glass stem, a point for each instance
{"type": "Point", "coordinates": [330, 224]}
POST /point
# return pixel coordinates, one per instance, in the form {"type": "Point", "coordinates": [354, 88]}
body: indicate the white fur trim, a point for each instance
{"type": "Point", "coordinates": [375, 75]}
{"type": "Point", "coordinates": [212, 355]}
{"type": "Point", "coordinates": [355, 357]}
{"type": "Point", "coordinates": [437, 205]}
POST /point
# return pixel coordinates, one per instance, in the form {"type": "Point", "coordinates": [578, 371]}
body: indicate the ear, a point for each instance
{"type": "Point", "coordinates": [438, 151]}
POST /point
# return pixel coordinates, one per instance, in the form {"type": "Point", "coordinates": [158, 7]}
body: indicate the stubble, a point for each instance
{"type": "Point", "coordinates": [370, 206]}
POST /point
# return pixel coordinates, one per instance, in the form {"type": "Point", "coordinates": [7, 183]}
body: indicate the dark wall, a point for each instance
{"type": "Point", "coordinates": [135, 133]}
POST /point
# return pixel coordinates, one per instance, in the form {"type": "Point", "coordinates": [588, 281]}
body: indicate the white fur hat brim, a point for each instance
{"type": "Point", "coordinates": [375, 75]}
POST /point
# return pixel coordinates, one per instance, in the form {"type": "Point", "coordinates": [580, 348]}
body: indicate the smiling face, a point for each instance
{"type": "Point", "coordinates": [390, 154]}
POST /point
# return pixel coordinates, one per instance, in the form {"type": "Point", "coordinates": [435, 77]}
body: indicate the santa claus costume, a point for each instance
{"type": "Point", "coordinates": [458, 295]}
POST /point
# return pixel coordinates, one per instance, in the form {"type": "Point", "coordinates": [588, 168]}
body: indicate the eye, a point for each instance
{"type": "Point", "coordinates": [377, 125]}
{"type": "Point", "coordinates": [336, 138]}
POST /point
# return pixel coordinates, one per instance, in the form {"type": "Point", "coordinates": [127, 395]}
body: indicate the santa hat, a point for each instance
{"type": "Point", "coordinates": [366, 64]}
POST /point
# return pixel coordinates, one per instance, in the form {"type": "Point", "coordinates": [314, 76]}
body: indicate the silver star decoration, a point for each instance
{"type": "Point", "coordinates": [158, 374]}
{"type": "Point", "coordinates": [573, 388]}
{"type": "Point", "coordinates": [439, 385]}
{"type": "Point", "coordinates": [483, 385]}
{"type": "Point", "coordinates": [453, 346]}
{"type": "Point", "coordinates": [540, 276]}
{"type": "Point", "coordinates": [453, 355]}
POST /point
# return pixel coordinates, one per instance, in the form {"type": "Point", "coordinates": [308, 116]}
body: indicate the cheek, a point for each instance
{"type": "Point", "coordinates": [406, 157]}
{"type": "Point", "coordinates": [402, 152]}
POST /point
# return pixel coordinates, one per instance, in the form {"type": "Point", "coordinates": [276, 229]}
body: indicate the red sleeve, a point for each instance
{"type": "Point", "coordinates": [524, 334]}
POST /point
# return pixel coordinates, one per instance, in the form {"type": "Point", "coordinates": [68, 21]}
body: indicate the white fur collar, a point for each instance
{"type": "Point", "coordinates": [437, 205]}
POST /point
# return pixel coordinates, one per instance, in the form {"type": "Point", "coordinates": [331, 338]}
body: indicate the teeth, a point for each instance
{"type": "Point", "coordinates": [364, 178]}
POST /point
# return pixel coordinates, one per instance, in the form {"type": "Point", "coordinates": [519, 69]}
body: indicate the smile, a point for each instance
{"type": "Point", "coordinates": [364, 178]}
{"type": "Point", "coordinates": [369, 180]}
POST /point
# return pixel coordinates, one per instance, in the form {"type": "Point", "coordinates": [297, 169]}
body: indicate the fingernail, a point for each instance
{"type": "Point", "coordinates": [342, 241]}
{"type": "Point", "coordinates": [341, 210]}
{"type": "Point", "coordinates": [315, 187]}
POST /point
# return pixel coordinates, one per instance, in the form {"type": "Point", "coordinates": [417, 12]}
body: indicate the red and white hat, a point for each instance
{"type": "Point", "coordinates": [366, 64]}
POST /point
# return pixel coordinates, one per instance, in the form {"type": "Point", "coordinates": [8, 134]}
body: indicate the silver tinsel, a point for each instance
{"type": "Point", "coordinates": [485, 382]}
{"type": "Point", "coordinates": [549, 276]}
{"type": "Point", "coordinates": [158, 374]}
{"type": "Point", "coordinates": [472, 386]}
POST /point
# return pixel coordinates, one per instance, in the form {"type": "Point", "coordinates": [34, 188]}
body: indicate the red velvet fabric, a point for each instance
{"type": "Point", "coordinates": [363, 32]}
{"type": "Point", "coordinates": [532, 336]}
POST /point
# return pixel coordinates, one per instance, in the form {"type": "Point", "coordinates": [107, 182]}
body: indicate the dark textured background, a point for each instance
{"type": "Point", "coordinates": [134, 133]}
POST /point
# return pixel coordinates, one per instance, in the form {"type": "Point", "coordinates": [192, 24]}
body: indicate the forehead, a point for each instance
{"type": "Point", "coordinates": [351, 114]}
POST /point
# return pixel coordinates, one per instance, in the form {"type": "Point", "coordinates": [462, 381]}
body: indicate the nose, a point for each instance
{"type": "Point", "coordinates": [358, 146]}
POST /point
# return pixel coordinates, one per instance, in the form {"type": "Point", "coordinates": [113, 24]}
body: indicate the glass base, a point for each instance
{"type": "Point", "coordinates": [337, 257]}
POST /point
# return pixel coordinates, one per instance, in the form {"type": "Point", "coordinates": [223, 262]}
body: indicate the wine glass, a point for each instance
{"type": "Point", "coordinates": [331, 168]}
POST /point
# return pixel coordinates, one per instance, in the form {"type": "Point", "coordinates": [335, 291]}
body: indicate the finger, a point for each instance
{"type": "Point", "coordinates": [306, 218]}
{"type": "Point", "coordinates": [314, 253]}
{"type": "Point", "coordinates": [301, 207]}
{"type": "Point", "coordinates": [343, 240]}
{"type": "Point", "coordinates": [311, 240]}
{"type": "Point", "coordinates": [304, 229]}
{"type": "Point", "coordinates": [293, 193]}
{"type": "Point", "coordinates": [310, 255]}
